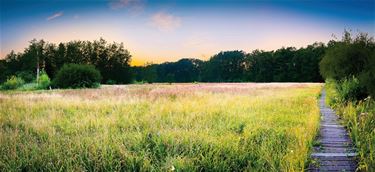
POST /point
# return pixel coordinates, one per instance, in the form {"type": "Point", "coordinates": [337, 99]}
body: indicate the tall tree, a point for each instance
{"type": "Point", "coordinates": [226, 66]}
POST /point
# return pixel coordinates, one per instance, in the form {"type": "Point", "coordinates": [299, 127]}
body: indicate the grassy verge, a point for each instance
{"type": "Point", "coordinates": [359, 118]}
{"type": "Point", "coordinates": [198, 127]}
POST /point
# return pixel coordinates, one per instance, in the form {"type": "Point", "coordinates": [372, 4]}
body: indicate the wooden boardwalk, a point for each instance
{"type": "Point", "coordinates": [334, 149]}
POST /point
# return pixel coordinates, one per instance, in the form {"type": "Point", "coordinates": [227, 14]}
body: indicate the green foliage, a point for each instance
{"type": "Point", "coordinates": [259, 66]}
{"type": "Point", "coordinates": [351, 57]}
{"type": "Point", "coordinates": [146, 73]}
{"type": "Point", "coordinates": [347, 57]}
{"type": "Point", "coordinates": [12, 83]}
{"type": "Point", "coordinates": [139, 82]}
{"type": "Point", "coordinates": [29, 87]}
{"type": "Point", "coordinates": [184, 70]}
{"type": "Point", "coordinates": [350, 89]}
{"type": "Point", "coordinates": [27, 76]}
{"type": "Point", "coordinates": [3, 69]}
{"type": "Point", "coordinates": [44, 81]}
{"type": "Point", "coordinates": [77, 76]}
{"type": "Point", "coordinates": [349, 66]}
{"type": "Point", "coordinates": [226, 66]}
{"type": "Point", "coordinates": [16, 82]}
{"type": "Point", "coordinates": [283, 65]}
{"type": "Point", "coordinates": [355, 57]}
{"type": "Point", "coordinates": [367, 77]}
{"type": "Point", "coordinates": [332, 98]}
{"type": "Point", "coordinates": [111, 59]}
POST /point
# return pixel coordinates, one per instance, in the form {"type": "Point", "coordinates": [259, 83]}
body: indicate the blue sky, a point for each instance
{"type": "Point", "coordinates": [167, 30]}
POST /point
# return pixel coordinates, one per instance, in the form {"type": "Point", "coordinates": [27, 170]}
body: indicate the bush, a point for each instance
{"type": "Point", "coordinates": [350, 89]}
{"type": "Point", "coordinates": [13, 83]}
{"type": "Point", "coordinates": [44, 81]}
{"type": "Point", "coordinates": [77, 76]}
{"type": "Point", "coordinates": [27, 76]}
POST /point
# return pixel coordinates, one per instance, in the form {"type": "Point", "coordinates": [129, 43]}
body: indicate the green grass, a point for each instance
{"type": "Point", "coordinates": [359, 118]}
{"type": "Point", "coordinates": [183, 127]}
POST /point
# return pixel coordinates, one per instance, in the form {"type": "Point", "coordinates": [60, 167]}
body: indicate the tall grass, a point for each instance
{"type": "Point", "coordinates": [194, 127]}
{"type": "Point", "coordinates": [359, 118]}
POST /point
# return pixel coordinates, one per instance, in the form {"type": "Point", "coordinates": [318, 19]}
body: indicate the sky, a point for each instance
{"type": "Point", "coordinates": [156, 31]}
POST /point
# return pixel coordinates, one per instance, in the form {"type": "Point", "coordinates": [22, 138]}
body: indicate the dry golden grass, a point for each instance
{"type": "Point", "coordinates": [192, 127]}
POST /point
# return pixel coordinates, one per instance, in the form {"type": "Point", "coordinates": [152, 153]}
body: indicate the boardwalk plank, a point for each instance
{"type": "Point", "coordinates": [334, 151]}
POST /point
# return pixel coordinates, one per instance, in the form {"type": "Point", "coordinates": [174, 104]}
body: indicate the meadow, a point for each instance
{"type": "Point", "coordinates": [160, 127]}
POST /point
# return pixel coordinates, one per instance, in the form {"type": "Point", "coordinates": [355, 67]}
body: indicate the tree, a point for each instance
{"type": "Point", "coordinates": [347, 57]}
{"type": "Point", "coordinates": [352, 57]}
{"type": "Point", "coordinates": [306, 63]}
{"type": "Point", "coordinates": [283, 64]}
{"type": "Point", "coordinates": [226, 66]}
{"type": "Point", "coordinates": [147, 73]}
{"type": "Point", "coordinates": [112, 60]}
{"type": "Point", "coordinates": [188, 70]}
{"type": "Point", "coordinates": [260, 66]}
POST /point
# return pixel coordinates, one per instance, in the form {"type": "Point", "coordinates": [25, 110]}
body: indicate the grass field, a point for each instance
{"type": "Point", "coordinates": [178, 127]}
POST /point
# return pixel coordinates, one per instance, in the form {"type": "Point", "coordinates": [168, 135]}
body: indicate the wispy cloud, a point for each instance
{"type": "Point", "coordinates": [165, 22]}
{"type": "Point", "coordinates": [56, 15]}
{"type": "Point", "coordinates": [133, 6]}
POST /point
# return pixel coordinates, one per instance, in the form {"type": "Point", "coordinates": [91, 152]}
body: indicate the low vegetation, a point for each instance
{"type": "Point", "coordinates": [43, 82]}
{"type": "Point", "coordinates": [18, 83]}
{"type": "Point", "coordinates": [12, 83]}
{"type": "Point", "coordinates": [186, 127]}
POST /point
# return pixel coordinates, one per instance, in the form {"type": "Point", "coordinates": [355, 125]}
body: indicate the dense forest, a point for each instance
{"type": "Point", "coordinates": [287, 64]}
{"type": "Point", "coordinates": [283, 65]}
{"type": "Point", "coordinates": [111, 59]}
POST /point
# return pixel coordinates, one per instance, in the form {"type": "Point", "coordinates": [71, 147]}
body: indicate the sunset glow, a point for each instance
{"type": "Point", "coordinates": [169, 30]}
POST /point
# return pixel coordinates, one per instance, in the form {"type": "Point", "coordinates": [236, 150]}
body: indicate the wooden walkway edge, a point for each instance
{"type": "Point", "coordinates": [333, 150]}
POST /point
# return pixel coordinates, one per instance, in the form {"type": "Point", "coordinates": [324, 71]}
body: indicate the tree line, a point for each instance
{"type": "Point", "coordinates": [287, 64]}
{"type": "Point", "coordinates": [283, 65]}
{"type": "Point", "coordinates": [111, 59]}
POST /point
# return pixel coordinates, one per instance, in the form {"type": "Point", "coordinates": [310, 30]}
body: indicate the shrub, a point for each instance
{"type": "Point", "coordinates": [350, 89]}
{"type": "Point", "coordinates": [27, 76]}
{"type": "Point", "coordinates": [13, 83]}
{"type": "Point", "coordinates": [44, 81]}
{"type": "Point", "coordinates": [77, 76]}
